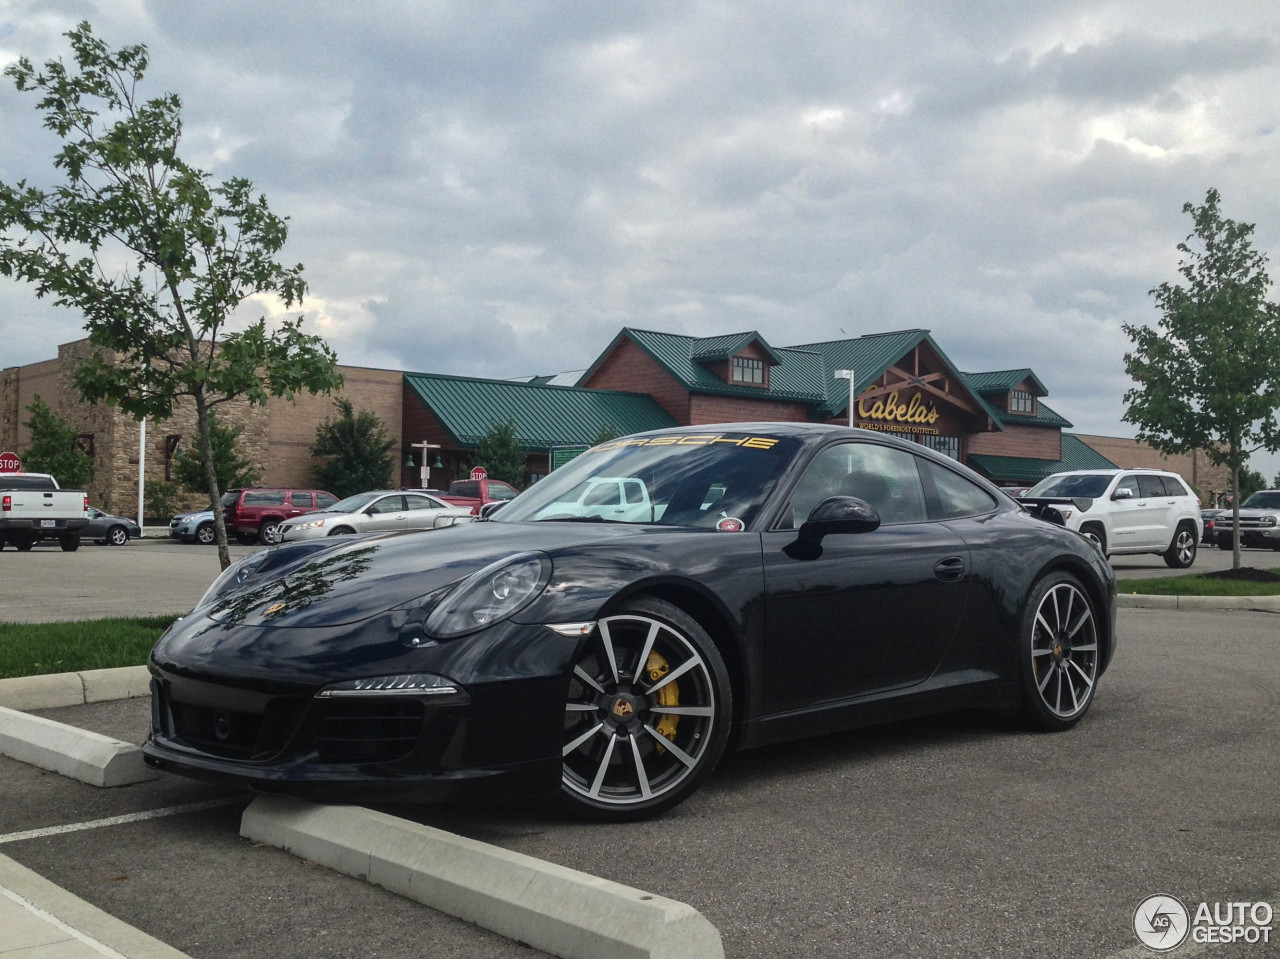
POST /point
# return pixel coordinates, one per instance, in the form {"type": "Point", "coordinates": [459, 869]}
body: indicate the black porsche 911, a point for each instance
{"type": "Point", "coordinates": [607, 635]}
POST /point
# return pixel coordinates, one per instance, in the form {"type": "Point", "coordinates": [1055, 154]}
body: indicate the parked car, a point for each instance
{"type": "Point", "coordinates": [1124, 511]}
{"type": "Point", "coordinates": [477, 493]}
{"type": "Point", "coordinates": [112, 530]}
{"type": "Point", "coordinates": [195, 527]}
{"type": "Point", "coordinates": [33, 507]}
{"type": "Point", "coordinates": [1209, 522]}
{"type": "Point", "coordinates": [801, 579]}
{"type": "Point", "coordinates": [379, 511]}
{"type": "Point", "coordinates": [607, 497]}
{"type": "Point", "coordinates": [256, 514]}
{"type": "Point", "coordinates": [1259, 522]}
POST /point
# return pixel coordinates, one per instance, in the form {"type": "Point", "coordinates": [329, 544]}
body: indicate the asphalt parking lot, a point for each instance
{"type": "Point", "coordinates": [956, 836]}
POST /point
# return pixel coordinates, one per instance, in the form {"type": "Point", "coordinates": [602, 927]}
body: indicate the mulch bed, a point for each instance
{"type": "Point", "coordinates": [1246, 574]}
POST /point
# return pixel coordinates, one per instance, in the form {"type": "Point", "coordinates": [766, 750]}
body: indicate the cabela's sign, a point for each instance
{"type": "Point", "coordinates": [890, 410]}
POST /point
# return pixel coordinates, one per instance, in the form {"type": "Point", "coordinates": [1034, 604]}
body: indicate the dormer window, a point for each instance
{"type": "Point", "coordinates": [1020, 401]}
{"type": "Point", "coordinates": [747, 370]}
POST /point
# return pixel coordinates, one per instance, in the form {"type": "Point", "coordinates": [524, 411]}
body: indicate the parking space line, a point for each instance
{"type": "Point", "coordinates": [119, 820]}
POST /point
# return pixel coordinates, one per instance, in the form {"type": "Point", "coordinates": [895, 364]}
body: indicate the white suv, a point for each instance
{"type": "Point", "coordinates": [1124, 511]}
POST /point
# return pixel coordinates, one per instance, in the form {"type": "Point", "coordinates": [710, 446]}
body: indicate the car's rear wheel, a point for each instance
{"type": "Point", "coordinates": [342, 531]}
{"type": "Point", "coordinates": [647, 715]}
{"type": "Point", "coordinates": [206, 534]}
{"type": "Point", "coordinates": [269, 532]}
{"type": "Point", "coordinates": [69, 542]}
{"type": "Point", "coordinates": [246, 539]}
{"type": "Point", "coordinates": [1182, 551]}
{"type": "Point", "coordinates": [23, 543]}
{"type": "Point", "coordinates": [1059, 653]}
{"type": "Point", "coordinates": [117, 536]}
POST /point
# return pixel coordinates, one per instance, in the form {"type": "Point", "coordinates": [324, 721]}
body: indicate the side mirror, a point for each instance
{"type": "Point", "coordinates": [839, 514]}
{"type": "Point", "coordinates": [488, 509]}
{"type": "Point", "coordinates": [1122, 493]}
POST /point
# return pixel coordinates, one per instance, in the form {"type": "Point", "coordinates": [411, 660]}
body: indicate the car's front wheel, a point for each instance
{"type": "Point", "coordinates": [117, 536]}
{"type": "Point", "coordinates": [1059, 653]}
{"type": "Point", "coordinates": [269, 532]}
{"type": "Point", "coordinates": [1182, 551]}
{"type": "Point", "coordinates": [206, 534]}
{"type": "Point", "coordinates": [647, 715]}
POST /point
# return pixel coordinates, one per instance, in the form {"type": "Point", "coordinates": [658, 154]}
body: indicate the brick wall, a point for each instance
{"type": "Point", "coordinates": [631, 370]}
{"type": "Point", "coordinates": [1033, 442]}
{"type": "Point", "coordinates": [742, 409]}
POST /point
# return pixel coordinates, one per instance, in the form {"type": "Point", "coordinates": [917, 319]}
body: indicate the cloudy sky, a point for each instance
{"type": "Point", "coordinates": [495, 188]}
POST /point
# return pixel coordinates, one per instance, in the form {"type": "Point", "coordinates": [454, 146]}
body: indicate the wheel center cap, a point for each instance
{"type": "Point", "coordinates": [622, 709]}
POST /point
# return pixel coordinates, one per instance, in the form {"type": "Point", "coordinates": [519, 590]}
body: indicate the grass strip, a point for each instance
{"type": "Point", "coordinates": [1197, 585]}
{"type": "Point", "coordinates": [31, 649]}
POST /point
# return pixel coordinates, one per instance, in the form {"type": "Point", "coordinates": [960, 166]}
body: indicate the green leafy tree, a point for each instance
{"type": "Point", "coordinates": [53, 448]}
{"type": "Point", "coordinates": [500, 454]}
{"type": "Point", "coordinates": [154, 255]}
{"type": "Point", "coordinates": [232, 469]}
{"type": "Point", "coordinates": [1250, 482]}
{"type": "Point", "coordinates": [160, 499]}
{"type": "Point", "coordinates": [354, 452]}
{"type": "Point", "coordinates": [1208, 374]}
{"type": "Point", "coordinates": [607, 432]}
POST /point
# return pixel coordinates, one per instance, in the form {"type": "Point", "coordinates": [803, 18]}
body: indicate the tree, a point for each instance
{"type": "Point", "coordinates": [607, 432]}
{"type": "Point", "coordinates": [232, 469]}
{"type": "Point", "coordinates": [500, 454]}
{"type": "Point", "coordinates": [53, 448]}
{"type": "Point", "coordinates": [1208, 374]}
{"type": "Point", "coordinates": [154, 255]}
{"type": "Point", "coordinates": [355, 452]}
{"type": "Point", "coordinates": [1250, 482]}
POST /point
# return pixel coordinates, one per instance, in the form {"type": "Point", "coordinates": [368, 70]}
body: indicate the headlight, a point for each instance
{"type": "Point", "coordinates": [313, 524]}
{"type": "Point", "coordinates": [490, 595]}
{"type": "Point", "coordinates": [233, 576]}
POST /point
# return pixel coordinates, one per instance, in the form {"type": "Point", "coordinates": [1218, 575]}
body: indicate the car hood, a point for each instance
{"type": "Point", "coordinates": [338, 580]}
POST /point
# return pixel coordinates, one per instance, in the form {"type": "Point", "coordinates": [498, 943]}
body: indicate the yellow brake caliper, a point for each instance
{"type": "Point", "coordinates": [669, 695]}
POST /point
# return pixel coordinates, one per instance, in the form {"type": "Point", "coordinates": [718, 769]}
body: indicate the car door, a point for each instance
{"type": "Point", "coordinates": [384, 514]}
{"type": "Point", "coordinates": [1130, 524]}
{"type": "Point", "coordinates": [421, 511]}
{"type": "Point", "coordinates": [872, 611]}
{"type": "Point", "coordinates": [1161, 509]}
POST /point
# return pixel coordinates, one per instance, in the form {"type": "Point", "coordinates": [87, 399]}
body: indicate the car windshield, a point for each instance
{"type": "Point", "coordinates": [1091, 485]}
{"type": "Point", "coordinates": [675, 479]}
{"type": "Point", "coordinates": [352, 503]}
{"type": "Point", "coordinates": [1266, 499]}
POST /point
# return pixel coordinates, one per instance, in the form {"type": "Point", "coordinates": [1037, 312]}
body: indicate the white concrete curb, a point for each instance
{"type": "Point", "coordinates": [558, 910]}
{"type": "Point", "coordinates": [1259, 604]}
{"type": "Point", "coordinates": [42, 919]}
{"type": "Point", "coordinates": [75, 689]}
{"type": "Point", "coordinates": [76, 753]}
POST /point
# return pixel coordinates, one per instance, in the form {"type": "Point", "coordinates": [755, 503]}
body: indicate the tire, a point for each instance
{"type": "Point", "coordinates": [1224, 545]}
{"type": "Point", "coordinates": [1058, 653]}
{"type": "Point", "coordinates": [117, 536]}
{"type": "Point", "coordinates": [69, 542]}
{"type": "Point", "coordinates": [23, 543]}
{"type": "Point", "coordinates": [1182, 551]}
{"type": "Point", "coordinates": [342, 531]}
{"type": "Point", "coordinates": [1096, 533]}
{"type": "Point", "coordinates": [269, 532]}
{"type": "Point", "coordinates": [639, 741]}
{"type": "Point", "coordinates": [206, 534]}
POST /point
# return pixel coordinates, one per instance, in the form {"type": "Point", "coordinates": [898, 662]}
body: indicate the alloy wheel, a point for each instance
{"type": "Point", "coordinates": [1064, 651]}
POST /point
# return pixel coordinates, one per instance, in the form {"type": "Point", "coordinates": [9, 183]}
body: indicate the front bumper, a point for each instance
{"type": "Point", "coordinates": [1264, 537]}
{"type": "Point", "coordinates": [498, 738]}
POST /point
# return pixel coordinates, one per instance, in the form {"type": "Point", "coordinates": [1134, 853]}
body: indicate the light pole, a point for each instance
{"type": "Point", "coordinates": [848, 375]}
{"type": "Point", "coordinates": [425, 469]}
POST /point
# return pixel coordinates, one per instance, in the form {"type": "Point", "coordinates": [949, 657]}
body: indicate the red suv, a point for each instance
{"type": "Point", "coordinates": [256, 514]}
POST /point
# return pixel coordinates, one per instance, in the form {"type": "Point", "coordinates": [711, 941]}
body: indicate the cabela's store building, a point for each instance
{"type": "Point", "coordinates": [902, 383]}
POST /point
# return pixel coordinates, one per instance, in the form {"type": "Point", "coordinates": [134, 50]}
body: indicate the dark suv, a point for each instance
{"type": "Point", "coordinates": [256, 514]}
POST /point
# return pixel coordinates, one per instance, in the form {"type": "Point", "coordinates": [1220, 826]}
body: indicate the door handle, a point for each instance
{"type": "Point", "coordinates": [950, 570]}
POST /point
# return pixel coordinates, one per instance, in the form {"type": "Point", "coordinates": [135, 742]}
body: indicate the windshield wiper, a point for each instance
{"type": "Point", "coordinates": [577, 519]}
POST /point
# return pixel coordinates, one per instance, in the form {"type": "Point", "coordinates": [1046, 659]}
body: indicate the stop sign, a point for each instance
{"type": "Point", "coordinates": [9, 463]}
{"type": "Point", "coordinates": [479, 472]}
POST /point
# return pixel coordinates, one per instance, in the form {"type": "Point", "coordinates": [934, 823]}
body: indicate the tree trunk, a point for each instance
{"type": "Point", "coordinates": [211, 475]}
{"type": "Point", "coordinates": [1235, 517]}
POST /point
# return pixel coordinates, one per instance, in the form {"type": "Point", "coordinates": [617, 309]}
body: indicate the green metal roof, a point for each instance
{"type": "Point", "coordinates": [545, 416]}
{"type": "Point", "coordinates": [1076, 455]}
{"type": "Point", "coordinates": [709, 349]}
{"type": "Point", "coordinates": [1002, 381]}
{"type": "Point", "coordinates": [798, 376]}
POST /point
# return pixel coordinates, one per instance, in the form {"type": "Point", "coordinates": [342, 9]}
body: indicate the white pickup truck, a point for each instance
{"type": "Point", "coordinates": [32, 508]}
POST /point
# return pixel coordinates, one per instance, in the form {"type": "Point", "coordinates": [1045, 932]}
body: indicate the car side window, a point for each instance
{"type": "Point", "coordinates": [388, 504]}
{"type": "Point", "coordinates": [1130, 483]}
{"type": "Point", "coordinates": [1150, 485]}
{"type": "Point", "coordinates": [501, 492]}
{"type": "Point", "coordinates": [886, 478]}
{"type": "Point", "coordinates": [412, 502]}
{"type": "Point", "coordinates": [468, 488]}
{"type": "Point", "coordinates": [634, 491]}
{"type": "Point", "coordinates": [325, 500]}
{"type": "Point", "coordinates": [303, 500]}
{"type": "Point", "coordinates": [957, 496]}
{"type": "Point", "coordinates": [606, 494]}
{"type": "Point", "coordinates": [265, 498]}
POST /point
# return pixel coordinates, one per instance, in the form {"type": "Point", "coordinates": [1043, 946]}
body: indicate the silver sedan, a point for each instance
{"type": "Point", "coordinates": [381, 511]}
